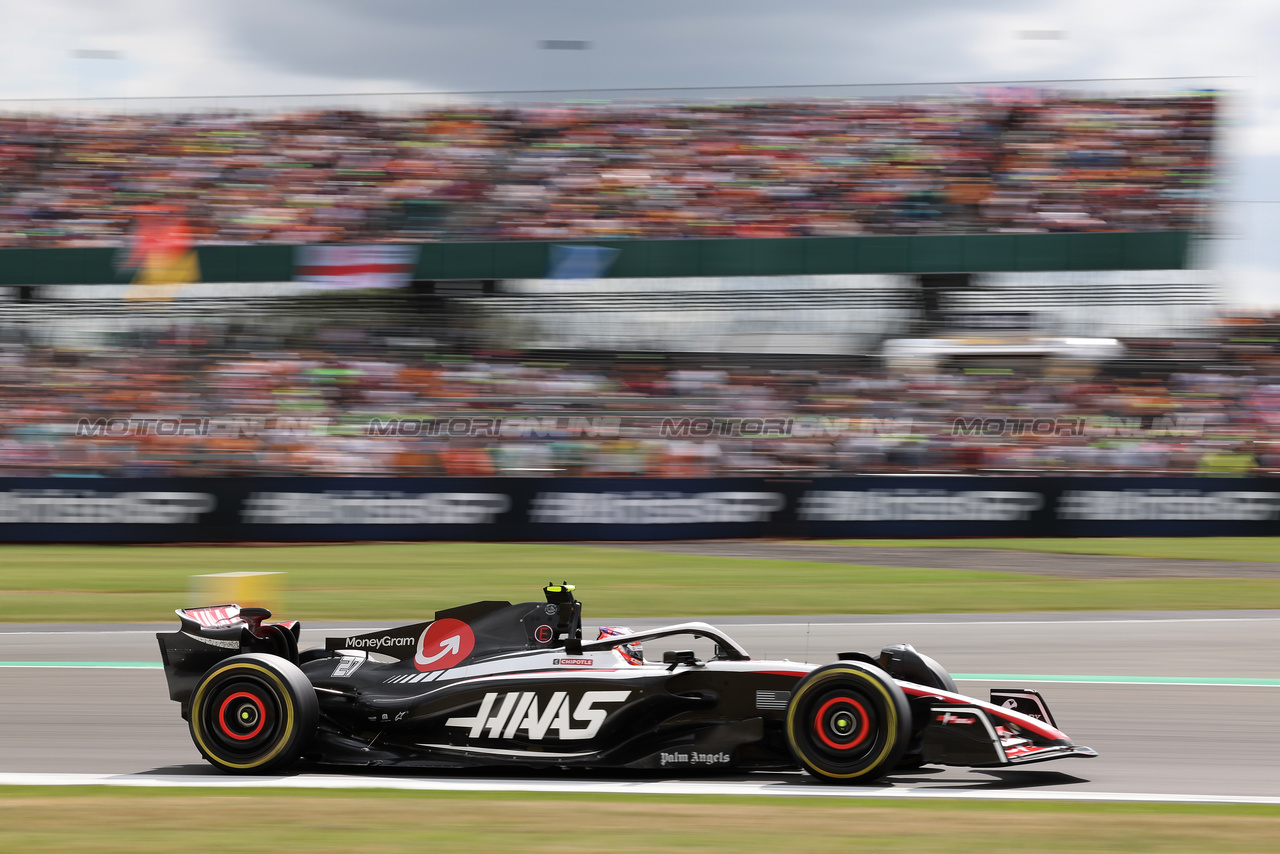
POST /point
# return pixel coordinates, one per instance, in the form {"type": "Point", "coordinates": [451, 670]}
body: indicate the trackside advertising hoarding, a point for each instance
{"type": "Point", "coordinates": [298, 509]}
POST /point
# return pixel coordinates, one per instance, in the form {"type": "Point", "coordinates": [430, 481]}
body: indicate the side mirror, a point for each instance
{"type": "Point", "coordinates": [676, 657]}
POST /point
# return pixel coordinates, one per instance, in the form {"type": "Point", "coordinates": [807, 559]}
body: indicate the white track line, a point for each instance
{"type": "Point", "coordinates": [796, 789]}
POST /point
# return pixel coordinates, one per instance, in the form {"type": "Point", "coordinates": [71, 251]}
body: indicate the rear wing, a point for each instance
{"type": "Point", "coordinates": [211, 633]}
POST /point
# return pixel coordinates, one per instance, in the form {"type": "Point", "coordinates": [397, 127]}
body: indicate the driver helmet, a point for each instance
{"type": "Point", "coordinates": [633, 652]}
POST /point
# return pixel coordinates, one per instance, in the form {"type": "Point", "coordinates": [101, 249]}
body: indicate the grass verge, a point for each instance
{"type": "Point", "coordinates": [410, 581]}
{"type": "Point", "coordinates": [35, 820]}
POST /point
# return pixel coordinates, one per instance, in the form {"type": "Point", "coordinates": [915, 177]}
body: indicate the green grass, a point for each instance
{"type": "Point", "coordinates": [111, 821]}
{"type": "Point", "coordinates": [410, 581]}
{"type": "Point", "coordinates": [1262, 549]}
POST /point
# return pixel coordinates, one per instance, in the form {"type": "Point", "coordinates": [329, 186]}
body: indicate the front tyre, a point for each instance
{"type": "Point", "coordinates": [848, 722]}
{"type": "Point", "coordinates": [253, 713]}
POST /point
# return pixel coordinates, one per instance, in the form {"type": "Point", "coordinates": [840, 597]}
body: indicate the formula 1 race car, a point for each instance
{"type": "Point", "coordinates": [493, 684]}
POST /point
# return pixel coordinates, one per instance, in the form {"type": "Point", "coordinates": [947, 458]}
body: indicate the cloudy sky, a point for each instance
{"type": "Point", "coordinates": [80, 49]}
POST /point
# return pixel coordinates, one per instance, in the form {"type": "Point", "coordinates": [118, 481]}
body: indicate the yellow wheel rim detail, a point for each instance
{"type": "Point", "coordinates": [197, 730]}
{"type": "Point", "coordinates": [891, 718]}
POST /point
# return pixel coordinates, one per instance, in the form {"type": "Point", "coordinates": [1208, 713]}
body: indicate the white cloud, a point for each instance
{"type": "Point", "coordinates": [184, 47]}
{"type": "Point", "coordinates": [167, 49]}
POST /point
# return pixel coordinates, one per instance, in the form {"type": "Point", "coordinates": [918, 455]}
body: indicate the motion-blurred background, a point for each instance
{"type": "Point", "coordinates": [913, 251]}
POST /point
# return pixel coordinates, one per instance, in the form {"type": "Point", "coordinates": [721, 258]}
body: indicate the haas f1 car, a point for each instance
{"type": "Point", "coordinates": [494, 684]}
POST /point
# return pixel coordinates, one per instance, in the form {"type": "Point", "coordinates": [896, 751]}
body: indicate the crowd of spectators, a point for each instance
{"type": "Point", "coordinates": [306, 408]}
{"type": "Point", "coordinates": [1056, 162]}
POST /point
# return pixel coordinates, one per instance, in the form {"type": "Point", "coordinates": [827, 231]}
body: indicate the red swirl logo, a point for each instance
{"type": "Point", "coordinates": [444, 644]}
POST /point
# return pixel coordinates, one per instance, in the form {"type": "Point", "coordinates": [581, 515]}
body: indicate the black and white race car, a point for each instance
{"type": "Point", "coordinates": [492, 684]}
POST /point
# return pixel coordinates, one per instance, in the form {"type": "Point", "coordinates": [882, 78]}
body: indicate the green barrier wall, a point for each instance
{"type": "Point", "coordinates": [961, 253]}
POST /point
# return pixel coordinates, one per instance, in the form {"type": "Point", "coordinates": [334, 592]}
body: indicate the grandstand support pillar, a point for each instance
{"type": "Point", "coordinates": [933, 290]}
{"type": "Point", "coordinates": [445, 308]}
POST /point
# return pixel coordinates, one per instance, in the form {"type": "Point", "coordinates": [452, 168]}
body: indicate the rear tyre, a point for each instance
{"type": "Point", "coordinates": [848, 723]}
{"type": "Point", "coordinates": [253, 714]}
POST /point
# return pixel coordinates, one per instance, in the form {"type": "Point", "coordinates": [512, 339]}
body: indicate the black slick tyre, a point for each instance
{"type": "Point", "coordinates": [848, 723]}
{"type": "Point", "coordinates": [253, 714]}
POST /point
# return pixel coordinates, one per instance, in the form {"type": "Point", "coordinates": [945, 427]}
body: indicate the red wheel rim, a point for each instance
{"type": "Point", "coordinates": [222, 716]}
{"type": "Point", "coordinates": [822, 730]}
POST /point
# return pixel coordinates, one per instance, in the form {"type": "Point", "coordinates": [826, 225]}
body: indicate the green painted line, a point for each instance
{"type": "Point", "coordinates": [100, 665]}
{"type": "Point", "coordinates": [1207, 681]}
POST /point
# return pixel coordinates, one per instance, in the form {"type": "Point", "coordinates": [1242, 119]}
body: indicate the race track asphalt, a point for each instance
{"type": "Point", "coordinates": [1140, 691]}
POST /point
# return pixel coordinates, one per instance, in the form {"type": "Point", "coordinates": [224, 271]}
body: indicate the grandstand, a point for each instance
{"type": "Point", "coordinates": [1058, 163]}
{"type": "Point", "coordinates": [745, 257]}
